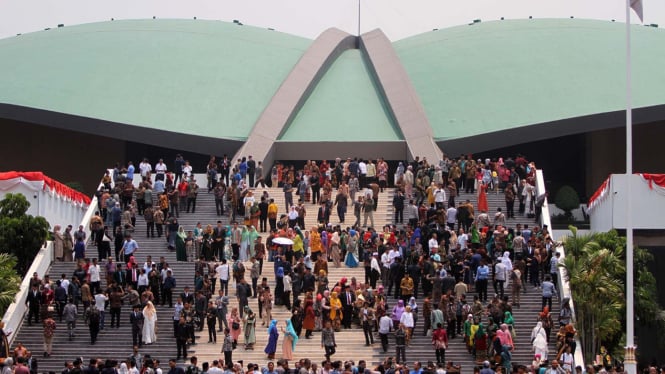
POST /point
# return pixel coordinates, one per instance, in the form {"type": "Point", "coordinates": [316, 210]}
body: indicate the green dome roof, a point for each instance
{"type": "Point", "coordinates": [493, 76]}
{"type": "Point", "coordinates": [205, 78]}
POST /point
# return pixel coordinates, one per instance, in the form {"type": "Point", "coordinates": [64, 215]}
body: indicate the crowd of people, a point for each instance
{"type": "Point", "coordinates": [427, 268]}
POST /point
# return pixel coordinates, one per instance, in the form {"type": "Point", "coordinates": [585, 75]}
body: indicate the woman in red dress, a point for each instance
{"type": "Point", "coordinates": [482, 198]}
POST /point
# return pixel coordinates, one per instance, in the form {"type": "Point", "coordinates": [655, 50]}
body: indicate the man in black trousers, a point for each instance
{"type": "Point", "coordinates": [136, 319]}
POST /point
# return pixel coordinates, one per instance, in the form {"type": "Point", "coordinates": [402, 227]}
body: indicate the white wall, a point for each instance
{"type": "Point", "coordinates": [647, 205]}
{"type": "Point", "coordinates": [54, 208]}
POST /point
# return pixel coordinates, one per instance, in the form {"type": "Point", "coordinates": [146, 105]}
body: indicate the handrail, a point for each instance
{"type": "Point", "coordinates": [564, 286]}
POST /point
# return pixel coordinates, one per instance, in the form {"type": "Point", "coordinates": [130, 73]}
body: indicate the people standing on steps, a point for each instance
{"type": "Point", "coordinates": [273, 336]}
{"type": "Point", "coordinates": [136, 320]}
{"type": "Point", "coordinates": [49, 332]}
{"type": "Point", "coordinates": [328, 342]}
{"type": "Point", "coordinates": [249, 328]}
{"type": "Point", "coordinates": [440, 343]}
{"type": "Point", "coordinates": [290, 341]}
{"type": "Point", "coordinates": [361, 234]}
{"type": "Point", "coordinates": [149, 332]}
{"type": "Point", "coordinates": [400, 344]}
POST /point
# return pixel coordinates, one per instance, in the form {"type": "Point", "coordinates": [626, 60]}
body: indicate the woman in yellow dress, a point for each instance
{"type": "Point", "coordinates": [335, 311]}
{"type": "Point", "coordinates": [315, 243]}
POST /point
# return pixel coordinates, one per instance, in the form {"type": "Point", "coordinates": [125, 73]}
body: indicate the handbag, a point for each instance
{"type": "Point", "coordinates": [235, 325]}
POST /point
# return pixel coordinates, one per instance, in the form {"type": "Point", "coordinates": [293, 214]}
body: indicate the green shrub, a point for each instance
{"type": "Point", "coordinates": [567, 199]}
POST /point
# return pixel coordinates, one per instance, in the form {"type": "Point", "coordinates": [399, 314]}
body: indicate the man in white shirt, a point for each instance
{"type": "Point", "coordinates": [94, 272]}
{"type": "Point", "coordinates": [462, 239]}
{"type": "Point", "coordinates": [214, 369]}
{"type": "Point", "coordinates": [100, 302]}
{"type": "Point", "coordinates": [362, 170]}
{"type": "Point", "coordinates": [160, 170]}
{"type": "Point", "coordinates": [142, 283]}
{"type": "Point", "coordinates": [499, 278]}
{"type": "Point", "coordinates": [147, 265]}
{"type": "Point", "coordinates": [375, 270]}
{"type": "Point", "coordinates": [386, 261]}
{"type": "Point", "coordinates": [433, 244]}
{"type": "Point", "coordinates": [451, 217]}
{"type": "Point", "coordinates": [223, 274]}
{"type": "Point", "coordinates": [440, 197]}
{"type": "Point", "coordinates": [385, 323]}
{"type": "Point", "coordinates": [129, 246]}
{"type": "Point", "coordinates": [187, 169]}
{"type": "Point", "coordinates": [394, 253]}
{"type": "Point", "coordinates": [64, 282]}
{"type": "Point", "coordinates": [145, 167]}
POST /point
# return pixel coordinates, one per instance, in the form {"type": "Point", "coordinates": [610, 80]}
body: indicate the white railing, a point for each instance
{"type": "Point", "coordinates": [14, 315]}
{"type": "Point", "coordinates": [564, 286]}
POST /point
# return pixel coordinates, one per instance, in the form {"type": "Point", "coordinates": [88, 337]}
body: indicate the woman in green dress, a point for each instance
{"type": "Point", "coordinates": [252, 235]}
{"type": "Point", "coordinates": [249, 328]}
{"type": "Point", "coordinates": [180, 250]}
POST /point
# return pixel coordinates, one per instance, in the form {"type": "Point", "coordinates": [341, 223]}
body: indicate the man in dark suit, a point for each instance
{"type": "Point", "coordinates": [243, 290]}
{"type": "Point", "coordinates": [136, 319]}
{"type": "Point", "coordinates": [219, 234]}
{"type": "Point", "coordinates": [348, 299]}
{"type": "Point", "coordinates": [251, 170]}
{"type": "Point", "coordinates": [182, 334]}
{"type": "Point", "coordinates": [33, 301]}
{"type": "Point", "coordinates": [119, 276]}
{"type": "Point", "coordinates": [324, 214]}
{"type": "Point", "coordinates": [187, 296]}
{"type": "Point", "coordinates": [308, 281]}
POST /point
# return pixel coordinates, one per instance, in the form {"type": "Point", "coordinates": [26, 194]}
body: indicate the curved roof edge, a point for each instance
{"type": "Point", "coordinates": [548, 130]}
{"type": "Point", "coordinates": [121, 131]}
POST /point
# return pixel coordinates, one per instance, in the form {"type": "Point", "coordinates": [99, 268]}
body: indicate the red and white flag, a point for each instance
{"type": "Point", "coordinates": [637, 7]}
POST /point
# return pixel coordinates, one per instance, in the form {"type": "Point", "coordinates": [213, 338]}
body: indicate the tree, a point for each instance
{"type": "Point", "coordinates": [595, 269]}
{"type": "Point", "coordinates": [567, 200]}
{"type": "Point", "coordinates": [21, 234]}
{"type": "Point", "coordinates": [9, 281]}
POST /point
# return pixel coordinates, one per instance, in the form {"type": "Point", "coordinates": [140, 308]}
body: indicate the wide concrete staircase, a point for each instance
{"type": "Point", "coordinates": [495, 201]}
{"type": "Point", "coordinates": [116, 343]}
{"type": "Point", "coordinates": [350, 343]}
{"type": "Point", "coordinates": [525, 315]}
{"type": "Point", "coordinates": [382, 216]}
{"type": "Point", "coordinates": [525, 319]}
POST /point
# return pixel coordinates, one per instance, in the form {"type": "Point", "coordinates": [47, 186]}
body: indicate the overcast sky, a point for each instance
{"type": "Point", "coordinates": [397, 18]}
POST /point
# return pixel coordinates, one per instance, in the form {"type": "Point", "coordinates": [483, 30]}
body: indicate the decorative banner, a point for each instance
{"type": "Point", "coordinates": [599, 195]}
{"type": "Point", "coordinates": [36, 181]}
{"type": "Point", "coordinates": [657, 179]}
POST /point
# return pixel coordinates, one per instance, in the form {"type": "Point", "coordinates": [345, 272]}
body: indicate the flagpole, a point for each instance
{"type": "Point", "coordinates": [358, 17]}
{"type": "Point", "coordinates": [630, 364]}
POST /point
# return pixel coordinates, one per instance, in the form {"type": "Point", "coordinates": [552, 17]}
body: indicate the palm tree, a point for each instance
{"type": "Point", "coordinates": [598, 293]}
{"type": "Point", "coordinates": [595, 269]}
{"type": "Point", "coordinates": [9, 281]}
